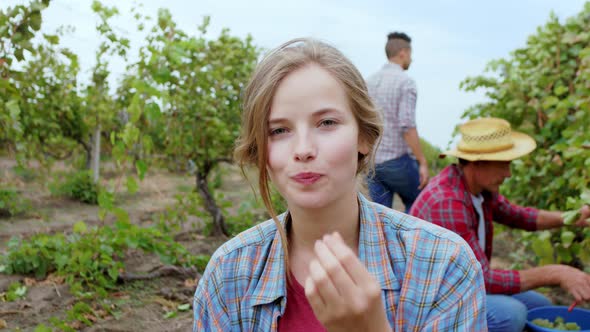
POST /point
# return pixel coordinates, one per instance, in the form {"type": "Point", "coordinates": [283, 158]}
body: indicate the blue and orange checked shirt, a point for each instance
{"type": "Point", "coordinates": [429, 277]}
{"type": "Point", "coordinates": [446, 202]}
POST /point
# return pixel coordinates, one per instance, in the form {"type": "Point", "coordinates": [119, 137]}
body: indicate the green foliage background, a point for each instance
{"type": "Point", "coordinates": [542, 89]}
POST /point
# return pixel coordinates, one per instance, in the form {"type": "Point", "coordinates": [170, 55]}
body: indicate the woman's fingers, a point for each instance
{"type": "Point", "coordinates": [315, 300]}
{"type": "Point", "coordinates": [340, 290]}
{"type": "Point", "coordinates": [336, 272]}
{"type": "Point", "coordinates": [322, 283]}
{"type": "Point", "coordinates": [349, 261]}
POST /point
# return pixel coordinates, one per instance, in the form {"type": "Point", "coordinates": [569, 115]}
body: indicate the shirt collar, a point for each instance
{"type": "Point", "coordinates": [393, 65]}
{"type": "Point", "coordinates": [373, 252]}
{"type": "Point", "coordinates": [374, 245]}
{"type": "Point", "coordinates": [272, 283]}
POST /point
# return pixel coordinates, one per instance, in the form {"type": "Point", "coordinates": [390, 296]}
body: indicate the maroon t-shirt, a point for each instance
{"type": "Point", "coordinates": [298, 316]}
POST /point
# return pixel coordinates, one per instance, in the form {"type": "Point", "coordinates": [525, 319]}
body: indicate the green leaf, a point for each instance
{"type": "Point", "coordinates": [113, 273]}
{"type": "Point", "coordinates": [132, 186]}
{"type": "Point", "coordinates": [170, 314]}
{"type": "Point", "coordinates": [102, 213]}
{"type": "Point", "coordinates": [141, 168]}
{"type": "Point", "coordinates": [61, 260]}
{"type": "Point", "coordinates": [544, 250]}
{"type": "Point", "coordinates": [560, 90]}
{"type": "Point", "coordinates": [569, 217]}
{"type": "Point", "coordinates": [153, 112]}
{"type": "Point", "coordinates": [35, 20]}
{"type": "Point", "coordinates": [550, 102]}
{"type": "Point", "coordinates": [13, 108]}
{"type": "Point", "coordinates": [21, 291]}
{"type": "Point", "coordinates": [544, 236]}
{"type": "Point", "coordinates": [134, 110]}
{"type": "Point", "coordinates": [130, 134]}
{"type": "Point", "coordinates": [80, 227]}
{"type": "Point", "coordinates": [567, 237]}
{"type": "Point", "coordinates": [106, 200]}
{"type": "Point", "coordinates": [42, 328]}
{"type": "Point", "coordinates": [121, 215]}
{"type": "Point", "coordinates": [184, 307]}
{"type": "Point", "coordinates": [52, 39]}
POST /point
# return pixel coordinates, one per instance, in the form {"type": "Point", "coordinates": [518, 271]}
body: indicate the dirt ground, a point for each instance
{"type": "Point", "coordinates": [140, 305]}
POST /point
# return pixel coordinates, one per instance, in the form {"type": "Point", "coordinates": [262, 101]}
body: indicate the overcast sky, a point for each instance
{"type": "Point", "coordinates": [451, 39]}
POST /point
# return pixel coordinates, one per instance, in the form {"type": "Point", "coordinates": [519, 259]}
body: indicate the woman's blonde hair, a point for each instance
{"type": "Point", "coordinates": [258, 95]}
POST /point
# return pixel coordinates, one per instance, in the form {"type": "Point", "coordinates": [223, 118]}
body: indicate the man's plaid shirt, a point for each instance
{"type": "Point", "coordinates": [429, 278]}
{"type": "Point", "coordinates": [446, 202]}
{"type": "Point", "coordinates": [394, 93]}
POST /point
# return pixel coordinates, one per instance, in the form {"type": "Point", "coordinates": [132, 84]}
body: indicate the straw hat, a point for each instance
{"type": "Point", "coordinates": [491, 139]}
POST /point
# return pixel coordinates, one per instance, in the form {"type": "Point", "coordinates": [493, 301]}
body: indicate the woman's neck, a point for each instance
{"type": "Point", "coordinates": [308, 226]}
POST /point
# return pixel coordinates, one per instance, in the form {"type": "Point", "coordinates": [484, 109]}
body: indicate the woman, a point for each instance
{"type": "Point", "coordinates": [334, 261]}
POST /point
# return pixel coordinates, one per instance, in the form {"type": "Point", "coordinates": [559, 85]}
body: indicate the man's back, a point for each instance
{"type": "Point", "coordinates": [400, 165]}
{"type": "Point", "coordinates": [394, 94]}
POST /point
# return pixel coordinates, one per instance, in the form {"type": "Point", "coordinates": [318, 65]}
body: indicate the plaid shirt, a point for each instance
{"type": "Point", "coordinates": [429, 278]}
{"type": "Point", "coordinates": [446, 202]}
{"type": "Point", "coordinates": [394, 94]}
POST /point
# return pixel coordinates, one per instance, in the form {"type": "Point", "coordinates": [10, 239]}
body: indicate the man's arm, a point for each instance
{"type": "Point", "coordinates": [411, 137]}
{"type": "Point", "coordinates": [512, 215]}
{"type": "Point", "coordinates": [548, 275]}
{"type": "Point", "coordinates": [572, 280]}
{"type": "Point", "coordinates": [554, 219]}
{"type": "Point", "coordinates": [407, 109]}
{"type": "Point", "coordinates": [531, 219]}
{"type": "Point", "coordinates": [549, 219]}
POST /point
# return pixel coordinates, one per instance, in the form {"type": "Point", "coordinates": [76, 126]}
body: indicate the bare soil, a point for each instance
{"type": "Point", "coordinates": [137, 306]}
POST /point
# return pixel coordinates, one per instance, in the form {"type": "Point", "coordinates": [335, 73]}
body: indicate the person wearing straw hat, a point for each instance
{"type": "Point", "coordinates": [464, 198]}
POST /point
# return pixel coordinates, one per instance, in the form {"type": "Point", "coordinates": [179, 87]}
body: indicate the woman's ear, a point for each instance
{"type": "Point", "coordinates": [363, 146]}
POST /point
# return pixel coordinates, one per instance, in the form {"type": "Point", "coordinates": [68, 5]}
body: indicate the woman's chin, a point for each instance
{"type": "Point", "coordinates": [308, 201]}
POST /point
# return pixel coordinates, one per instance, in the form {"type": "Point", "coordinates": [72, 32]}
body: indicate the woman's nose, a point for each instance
{"type": "Point", "coordinates": [305, 148]}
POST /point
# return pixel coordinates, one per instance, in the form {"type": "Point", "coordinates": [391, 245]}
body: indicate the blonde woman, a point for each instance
{"type": "Point", "coordinates": [334, 261]}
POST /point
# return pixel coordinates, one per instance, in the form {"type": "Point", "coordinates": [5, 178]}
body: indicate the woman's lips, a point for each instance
{"type": "Point", "coordinates": [307, 177]}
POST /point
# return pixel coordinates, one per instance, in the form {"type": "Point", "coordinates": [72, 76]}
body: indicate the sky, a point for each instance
{"type": "Point", "coordinates": [451, 39]}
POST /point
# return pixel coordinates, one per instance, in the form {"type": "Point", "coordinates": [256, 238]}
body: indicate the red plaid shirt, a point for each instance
{"type": "Point", "coordinates": [447, 203]}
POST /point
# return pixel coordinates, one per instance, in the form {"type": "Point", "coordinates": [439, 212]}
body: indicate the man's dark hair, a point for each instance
{"type": "Point", "coordinates": [463, 162]}
{"type": "Point", "coordinates": [396, 41]}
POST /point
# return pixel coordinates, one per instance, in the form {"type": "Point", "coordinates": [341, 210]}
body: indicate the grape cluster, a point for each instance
{"type": "Point", "coordinates": [558, 324]}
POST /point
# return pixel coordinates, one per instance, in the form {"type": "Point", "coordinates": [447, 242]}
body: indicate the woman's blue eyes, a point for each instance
{"type": "Point", "coordinates": [283, 130]}
{"type": "Point", "coordinates": [328, 122]}
{"type": "Point", "coordinates": [277, 131]}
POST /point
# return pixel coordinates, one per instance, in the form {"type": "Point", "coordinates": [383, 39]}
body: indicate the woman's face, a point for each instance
{"type": "Point", "coordinates": [313, 141]}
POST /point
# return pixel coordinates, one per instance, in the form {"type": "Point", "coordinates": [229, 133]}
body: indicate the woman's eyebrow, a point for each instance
{"type": "Point", "coordinates": [319, 113]}
{"type": "Point", "coordinates": [277, 121]}
{"type": "Point", "coordinates": [327, 110]}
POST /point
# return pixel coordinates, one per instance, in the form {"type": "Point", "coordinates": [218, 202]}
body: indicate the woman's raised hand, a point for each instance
{"type": "Point", "coordinates": [343, 294]}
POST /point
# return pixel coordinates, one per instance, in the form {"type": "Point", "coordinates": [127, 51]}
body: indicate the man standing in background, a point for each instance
{"type": "Point", "coordinates": [400, 164]}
